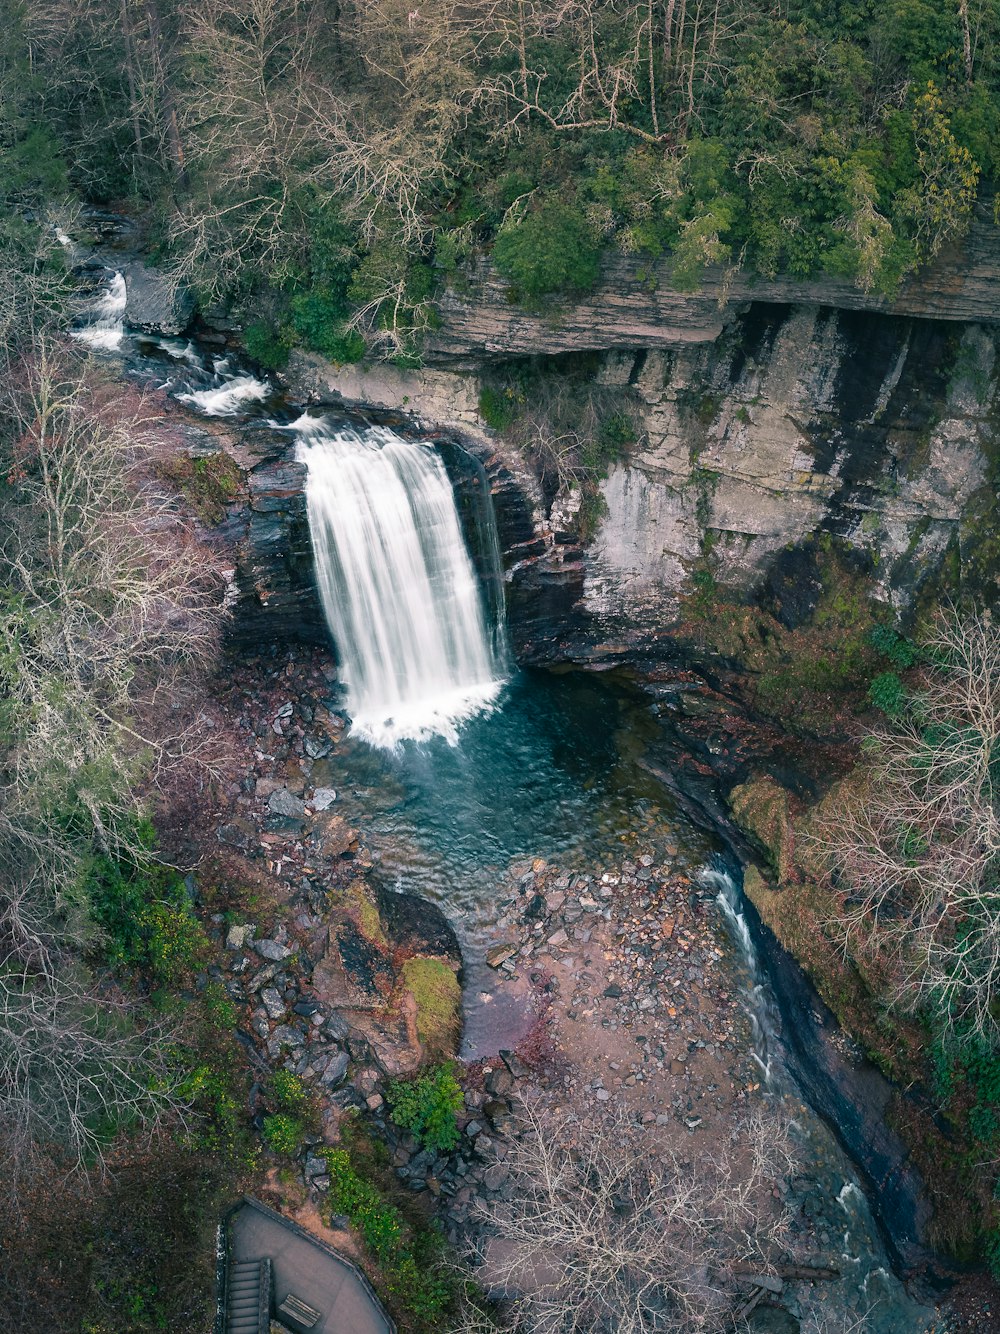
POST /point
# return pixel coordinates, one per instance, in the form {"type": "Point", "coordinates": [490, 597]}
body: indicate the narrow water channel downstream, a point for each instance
{"type": "Point", "coordinates": [460, 766]}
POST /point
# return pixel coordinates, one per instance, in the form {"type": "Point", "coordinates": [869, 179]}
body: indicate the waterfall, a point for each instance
{"type": "Point", "coordinates": [105, 325]}
{"type": "Point", "coordinates": [397, 584]}
{"type": "Point", "coordinates": [764, 1017]}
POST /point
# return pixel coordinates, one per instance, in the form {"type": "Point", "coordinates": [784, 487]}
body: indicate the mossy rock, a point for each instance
{"type": "Point", "coordinates": [760, 807]}
{"type": "Point", "coordinates": [208, 482]}
{"type": "Point", "coordinates": [438, 995]}
{"type": "Point", "coordinates": [366, 914]}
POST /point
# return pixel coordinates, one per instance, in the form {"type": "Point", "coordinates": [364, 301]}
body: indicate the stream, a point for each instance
{"type": "Point", "coordinates": [509, 765]}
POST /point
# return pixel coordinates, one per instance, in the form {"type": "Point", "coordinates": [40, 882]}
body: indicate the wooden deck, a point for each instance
{"type": "Point", "coordinates": [312, 1289]}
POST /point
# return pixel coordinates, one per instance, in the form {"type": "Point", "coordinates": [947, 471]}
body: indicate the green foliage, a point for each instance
{"type": "Point", "coordinates": [901, 652]}
{"type": "Point", "coordinates": [607, 444]}
{"type": "Point", "coordinates": [593, 508]}
{"type": "Point", "coordinates": [380, 1224]}
{"type": "Point", "coordinates": [318, 319]}
{"type": "Point", "coordinates": [499, 408]}
{"type": "Point", "coordinates": [283, 1133]}
{"type": "Point", "coordinates": [966, 1072]}
{"type": "Point", "coordinates": [268, 344]}
{"type": "Point", "coordinates": [409, 1255]}
{"type": "Point", "coordinates": [551, 249]}
{"type": "Point", "coordinates": [428, 1105]}
{"type": "Point", "coordinates": [287, 1092]}
{"type": "Point", "coordinates": [888, 693]}
{"type": "Point", "coordinates": [146, 918]}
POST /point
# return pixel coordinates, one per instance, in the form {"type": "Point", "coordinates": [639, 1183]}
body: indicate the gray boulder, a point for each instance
{"type": "Point", "coordinates": [154, 302]}
{"type": "Point", "coordinates": [286, 803]}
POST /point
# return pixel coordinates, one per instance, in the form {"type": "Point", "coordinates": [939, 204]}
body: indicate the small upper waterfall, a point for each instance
{"type": "Point", "coordinates": [397, 584]}
{"type": "Point", "coordinates": [105, 326]}
{"type": "Point", "coordinates": [226, 394]}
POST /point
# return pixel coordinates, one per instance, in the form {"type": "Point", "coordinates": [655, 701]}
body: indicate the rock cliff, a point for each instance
{"type": "Point", "coordinates": [801, 424]}
{"type": "Point", "coordinates": [635, 306]}
{"type": "Point", "coordinates": [794, 427]}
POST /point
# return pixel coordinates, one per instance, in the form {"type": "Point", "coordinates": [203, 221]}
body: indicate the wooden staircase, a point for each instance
{"type": "Point", "coordinates": [248, 1297]}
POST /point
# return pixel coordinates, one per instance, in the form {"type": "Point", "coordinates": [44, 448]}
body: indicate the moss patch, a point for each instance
{"type": "Point", "coordinates": [207, 484]}
{"type": "Point", "coordinates": [811, 679]}
{"type": "Point", "coordinates": [438, 995]}
{"type": "Point", "coordinates": [366, 915]}
{"type": "Point", "coordinates": [761, 808]}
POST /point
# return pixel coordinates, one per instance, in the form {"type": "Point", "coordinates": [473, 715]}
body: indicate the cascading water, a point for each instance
{"type": "Point", "coordinates": [105, 326]}
{"type": "Point", "coordinates": [226, 394]}
{"type": "Point", "coordinates": [397, 584]}
{"type": "Point", "coordinates": [763, 1008]}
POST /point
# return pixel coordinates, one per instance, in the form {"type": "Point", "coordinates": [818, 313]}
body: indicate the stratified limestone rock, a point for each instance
{"type": "Point", "coordinates": [794, 428]}
{"type": "Point", "coordinates": [635, 306]}
{"type": "Point", "coordinates": [799, 422]}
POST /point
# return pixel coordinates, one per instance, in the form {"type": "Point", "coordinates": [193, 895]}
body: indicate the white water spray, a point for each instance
{"type": "Point", "coordinates": [397, 584]}
{"type": "Point", "coordinates": [229, 397]}
{"type": "Point", "coordinates": [106, 326]}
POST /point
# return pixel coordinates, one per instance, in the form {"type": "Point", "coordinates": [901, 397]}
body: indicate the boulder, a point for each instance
{"type": "Point", "coordinates": [270, 949]}
{"type": "Point", "coordinates": [155, 303]}
{"type": "Point", "coordinates": [283, 802]}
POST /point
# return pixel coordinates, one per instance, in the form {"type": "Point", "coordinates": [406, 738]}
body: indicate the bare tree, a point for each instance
{"type": "Point", "coordinates": [77, 1063]}
{"type": "Point", "coordinates": [915, 853]}
{"type": "Point", "coordinates": [266, 126]}
{"type": "Point", "coordinates": [107, 607]}
{"type": "Point", "coordinates": [640, 68]}
{"type": "Point", "coordinates": [598, 1234]}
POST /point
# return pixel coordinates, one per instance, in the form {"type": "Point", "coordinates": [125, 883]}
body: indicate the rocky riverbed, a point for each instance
{"type": "Point", "coordinates": [629, 992]}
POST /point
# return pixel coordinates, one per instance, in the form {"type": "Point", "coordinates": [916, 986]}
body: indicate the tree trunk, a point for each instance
{"type": "Point", "coordinates": [133, 96]}
{"type": "Point", "coordinates": [963, 18]}
{"type": "Point", "coordinates": [168, 108]}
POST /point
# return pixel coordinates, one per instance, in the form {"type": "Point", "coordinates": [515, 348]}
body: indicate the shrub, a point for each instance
{"type": "Point", "coordinates": [380, 1224]}
{"type": "Point", "coordinates": [428, 1105]}
{"type": "Point", "coordinates": [498, 408]}
{"type": "Point", "coordinates": [147, 918]}
{"type": "Point", "coordinates": [888, 693]}
{"type": "Point", "coordinates": [287, 1092]}
{"type": "Point", "coordinates": [318, 319]}
{"type": "Point", "coordinates": [900, 652]}
{"type": "Point", "coordinates": [553, 248]}
{"type": "Point", "coordinates": [283, 1133]}
{"type": "Point", "coordinates": [268, 344]}
{"type": "Point", "coordinates": [409, 1254]}
{"type": "Point", "coordinates": [206, 483]}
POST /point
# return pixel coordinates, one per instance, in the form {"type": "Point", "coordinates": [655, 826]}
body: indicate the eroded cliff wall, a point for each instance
{"type": "Point", "coordinates": [798, 422]}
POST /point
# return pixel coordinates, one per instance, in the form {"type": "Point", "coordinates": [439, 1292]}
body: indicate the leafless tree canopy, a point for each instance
{"type": "Point", "coordinates": [601, 1237]}
{"type": "Point", "coordinates": [106, 605]}
{"type": "Point", "coordinates": [916, 854]}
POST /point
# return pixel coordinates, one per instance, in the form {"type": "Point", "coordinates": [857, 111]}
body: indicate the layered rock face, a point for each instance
{"type": "Point", "coordinates": [635, 306]}
{"type": "Point", "coordinates": [795, 427]}
{"type": "Point", "coordinates": [800, 424]}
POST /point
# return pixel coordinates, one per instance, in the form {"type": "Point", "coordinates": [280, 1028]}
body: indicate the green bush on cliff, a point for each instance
{"type": "Point", "coordinates": [888, 693]}
{"type": "Point", "coordinates": [428, 1105]}
{"type": "Point", "coordinates": [499, 407]}
{"type": "Point", "coordinates": [418, 1286]}
{"type": "Point", "coordinates": [283, 1133]}
{"type": "Point", "coordinates": [551, 249]}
